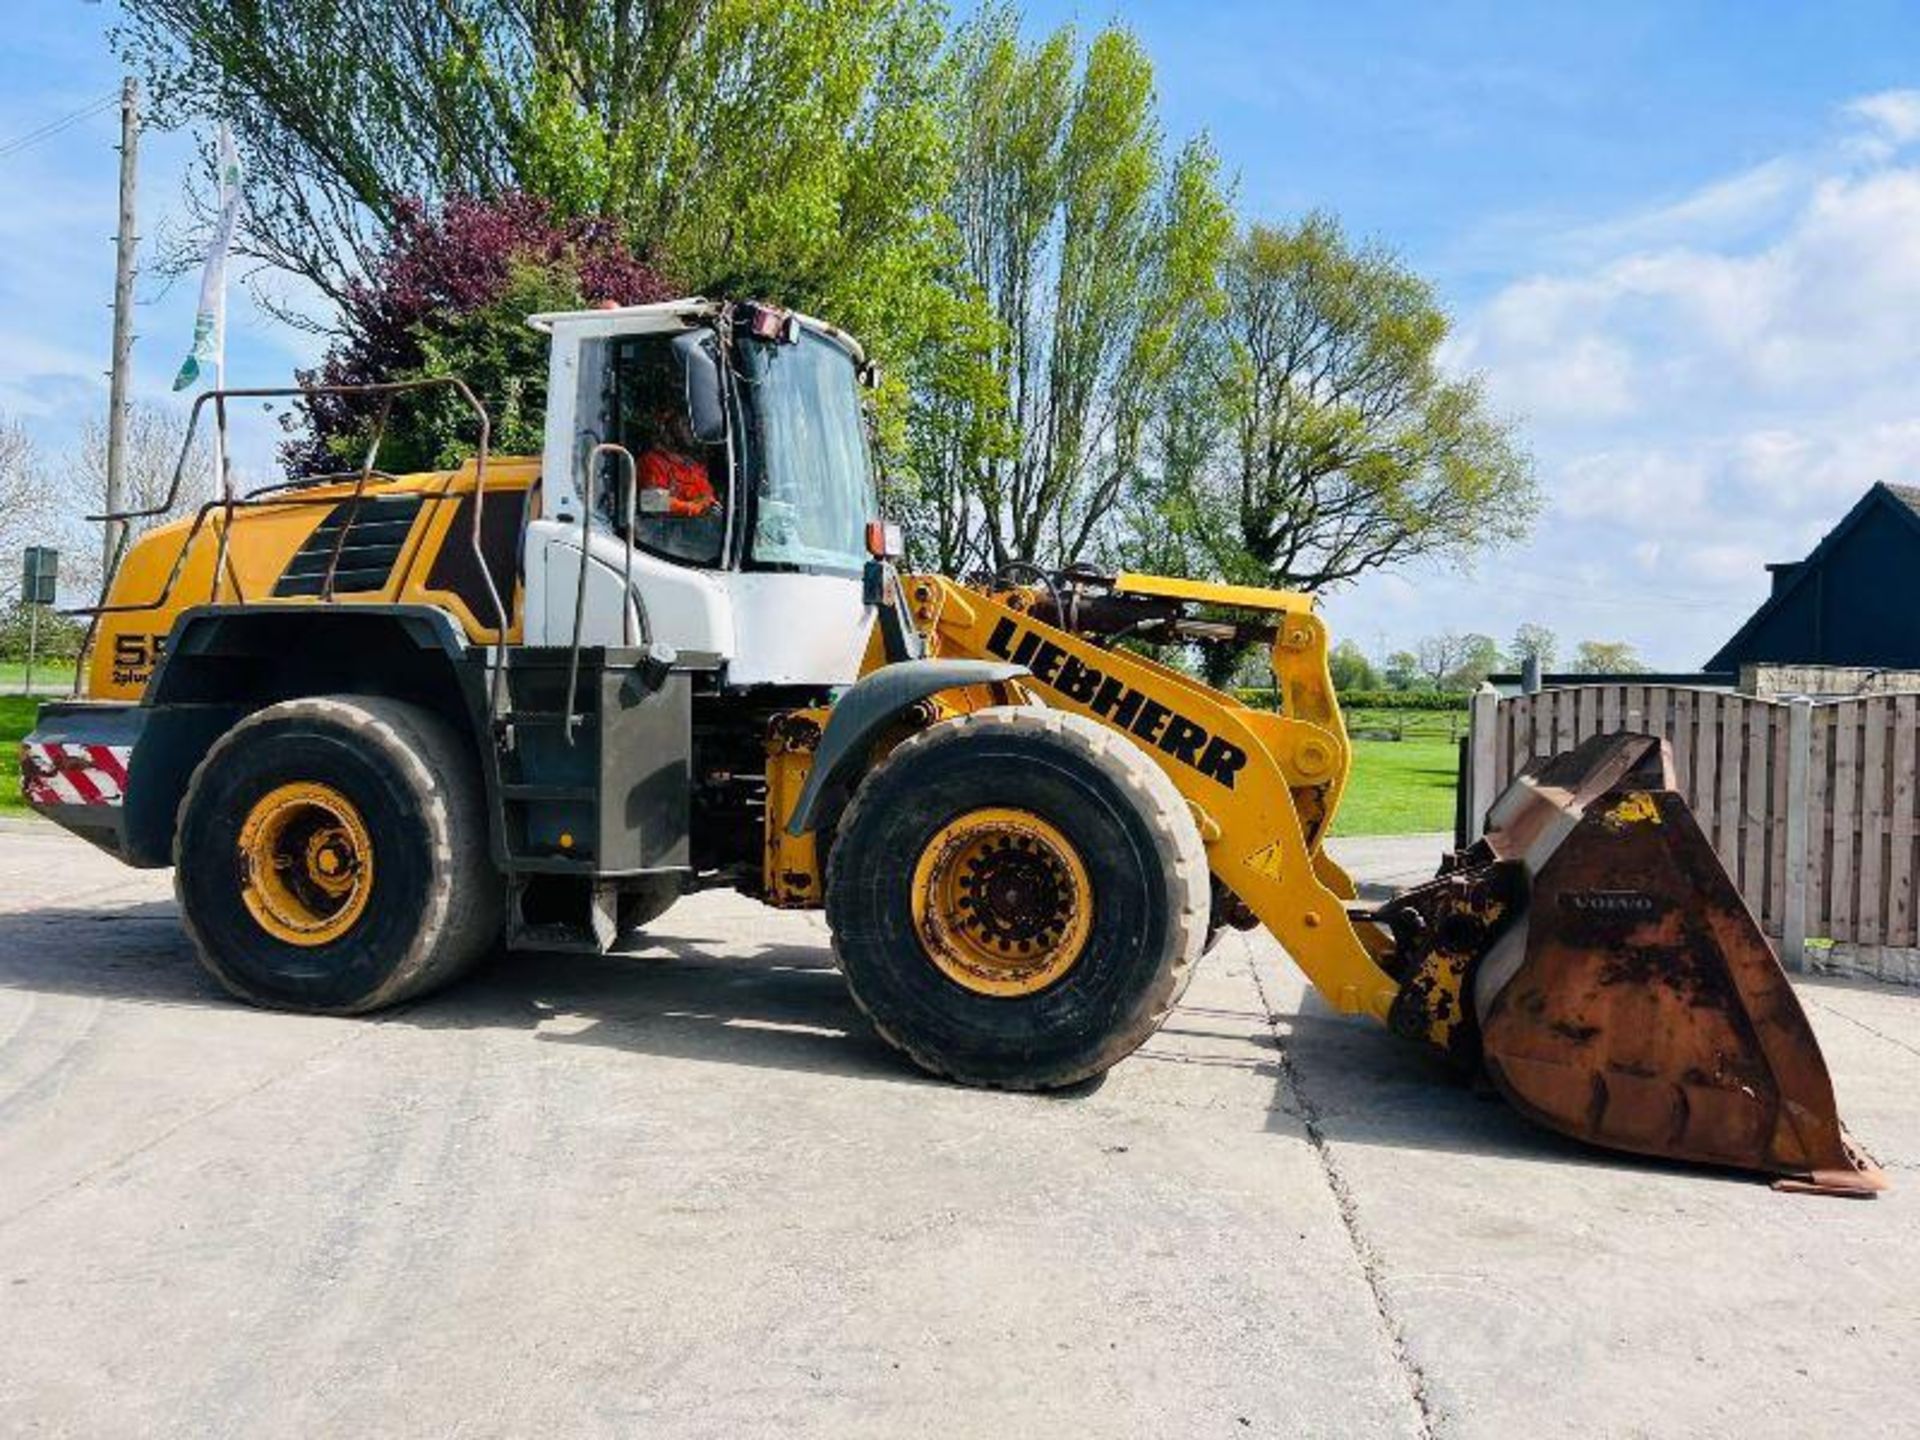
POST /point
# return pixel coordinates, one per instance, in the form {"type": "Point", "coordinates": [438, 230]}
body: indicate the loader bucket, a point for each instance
{"type": "Point", "coordinates": [1627, 996]}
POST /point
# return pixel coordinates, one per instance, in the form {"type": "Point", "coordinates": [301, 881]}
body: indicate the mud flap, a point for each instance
{"type": "Point", "coordinates": [1630, 998]}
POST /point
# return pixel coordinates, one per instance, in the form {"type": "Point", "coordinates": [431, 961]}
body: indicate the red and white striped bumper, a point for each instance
{"type": "Point", "coordinates": [73, 774]}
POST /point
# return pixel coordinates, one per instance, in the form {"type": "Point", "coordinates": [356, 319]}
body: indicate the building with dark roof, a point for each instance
{"type": "Point", "coordinates": [1854, 601]}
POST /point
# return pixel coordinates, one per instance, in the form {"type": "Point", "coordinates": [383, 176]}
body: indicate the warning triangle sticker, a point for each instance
{"type": "Point", "coordinates": [1266, 862]}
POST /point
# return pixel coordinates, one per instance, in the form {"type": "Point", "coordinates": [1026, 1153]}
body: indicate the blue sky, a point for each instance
{"type": "Point", "coordinates": [1681, 242]}
{"type": "Point", "coordinates": [56, 246]}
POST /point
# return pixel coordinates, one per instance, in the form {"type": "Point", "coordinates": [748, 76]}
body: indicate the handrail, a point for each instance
{"type": "Point", "coordinates": [228, 503]}
{"type": "Point", "coordinates": [631, 605]}
{"type": "Point", "coordinates": [353, 503]}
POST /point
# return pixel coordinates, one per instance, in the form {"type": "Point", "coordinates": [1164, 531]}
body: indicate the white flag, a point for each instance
{"type": "Point", "coordinates": [210, 324]}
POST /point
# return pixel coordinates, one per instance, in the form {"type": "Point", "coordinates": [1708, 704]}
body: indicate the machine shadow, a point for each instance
{"type": "Point", "coordinates": [1367, 1087]}
{"type": "Point", "coordinates": [135, 953]}
{"type": "Point", "coordinates": [778, 1005]}
{"type": "Point", "coordinates": [772, 1005]}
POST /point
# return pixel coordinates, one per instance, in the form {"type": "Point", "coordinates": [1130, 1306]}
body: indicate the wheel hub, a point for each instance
{"type": "Point", "coordinates": [306, 863]}
{"type": "Point", "coordinates": [1002, 902]}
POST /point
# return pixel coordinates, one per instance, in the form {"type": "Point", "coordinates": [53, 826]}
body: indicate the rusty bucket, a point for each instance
{"type": "Point", "coordinates": [1630, 998]}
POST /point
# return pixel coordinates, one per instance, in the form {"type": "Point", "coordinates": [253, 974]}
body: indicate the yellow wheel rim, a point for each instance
{"type": "Point", "coordinates": [306, 863]}
{"type": "Point", "coordinates": [1002, 902]}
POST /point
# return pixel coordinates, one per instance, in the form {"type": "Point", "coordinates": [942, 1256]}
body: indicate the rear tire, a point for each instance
{"type": "Point", "coordinates": [1105, 824]}
{"type": "Point", "coordinates": [332, 856]}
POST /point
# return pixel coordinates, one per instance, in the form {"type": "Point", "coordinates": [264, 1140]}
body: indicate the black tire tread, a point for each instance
{"type": "Point", "coordinates": [464, 905]}
{"type": "Point", "coordinates": [1175, 835]}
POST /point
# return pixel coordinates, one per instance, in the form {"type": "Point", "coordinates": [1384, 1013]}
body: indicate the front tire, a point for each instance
{"type": "Point", "coordinates": [1016, 897]}
{"type": "Point", "coordinates": [331, 856]}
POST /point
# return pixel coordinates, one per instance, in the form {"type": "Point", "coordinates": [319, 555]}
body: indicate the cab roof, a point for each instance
{"type": "Point", "coordinates": [666, 315]}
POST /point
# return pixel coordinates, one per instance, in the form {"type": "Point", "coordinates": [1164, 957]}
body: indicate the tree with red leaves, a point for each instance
{"type": "Point", "coordinates": [449, 294]}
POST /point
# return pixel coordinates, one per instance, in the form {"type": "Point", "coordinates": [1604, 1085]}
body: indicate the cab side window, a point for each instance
{"type": "Point", "coordinates": [681, 483]}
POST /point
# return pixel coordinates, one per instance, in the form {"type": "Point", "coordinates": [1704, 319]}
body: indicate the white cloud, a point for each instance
{"type": "Point", "coordinates": [1710, 383]}
{"type": "Point", "coordinates": [1721, 563]}
{"type": "Point", "coordinates": [1891, 118]}
{"type": "Point", "coordinates": [1613, 484]}
{"type": "Point", "coordinates": [1832, 302]}
{"type": "Point", "coordinates": [1725, 208]}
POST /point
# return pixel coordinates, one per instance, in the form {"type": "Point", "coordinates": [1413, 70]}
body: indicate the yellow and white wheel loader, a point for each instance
{"type": "Point", "coordinates": [380, 725]}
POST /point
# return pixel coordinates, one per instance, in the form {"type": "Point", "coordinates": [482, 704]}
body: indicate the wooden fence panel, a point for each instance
{"type": "Point", "coordinates": [1726, 828]}
{"type": "Point", "coordinates": [1682, 737]}
{"type": "Point", "coordinates": [1773, 916]}
{"type": "Point", "coordinates": [1845, 802]}
{"type": "Point", "coordinates": [1733, 756]}
{"type": "Point", "coordinates": [1820, 822]}
{"type": "Point", "coordinates": [1870, 924]}
{"type": "Point", "coordinates": [1706, 757]}
{"type": "Point", "coordinates": [1753, 809]}
{"type": "Point", "coordinates": [1902, 856]}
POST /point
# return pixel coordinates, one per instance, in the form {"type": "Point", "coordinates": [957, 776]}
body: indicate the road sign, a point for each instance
{"type": "Point", "coordinates": [40, 576]}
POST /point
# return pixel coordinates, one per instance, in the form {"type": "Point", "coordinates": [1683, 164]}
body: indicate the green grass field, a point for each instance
{"type": "Point", "coordinates": [16, 718]}
{"type": "Point", "coordinates": [1400, 787]}
{"type": "Point", "coordinates": [13, 675]}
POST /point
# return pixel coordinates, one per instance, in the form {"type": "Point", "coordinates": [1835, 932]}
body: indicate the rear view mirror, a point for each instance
{"type": "Point", "coordinates": [699, 357]}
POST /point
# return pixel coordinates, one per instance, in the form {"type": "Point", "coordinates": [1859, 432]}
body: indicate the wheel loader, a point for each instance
{"type": "Point", "coordinates": [381, 725]}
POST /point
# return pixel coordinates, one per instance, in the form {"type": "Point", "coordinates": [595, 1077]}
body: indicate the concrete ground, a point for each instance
{"type": "Point", "coordinates": [690, 1194]}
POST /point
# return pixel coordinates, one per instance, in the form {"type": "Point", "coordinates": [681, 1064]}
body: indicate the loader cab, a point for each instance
{"type": "Point", "coordinates": [755, 485]}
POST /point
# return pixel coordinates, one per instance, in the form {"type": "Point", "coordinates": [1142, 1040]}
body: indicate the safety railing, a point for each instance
{"type": "Point", "coordinates": [287, 494]}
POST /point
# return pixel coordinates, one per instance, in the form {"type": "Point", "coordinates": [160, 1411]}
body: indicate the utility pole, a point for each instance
{"type": "Point", "coordinates": [126, 247]}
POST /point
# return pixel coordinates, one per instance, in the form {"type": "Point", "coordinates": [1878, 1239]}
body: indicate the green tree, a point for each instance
{"type": "Point", "coordinates": [1452, 661]}
{"type": "Point", "coordinates": [1094, 249]}
{"type": "Point", "coordinates": [57, 638]}
{"type": "Point", "coordinates": [792, 148]}
{"type": "Point", "coordinates": [501, 357]}
{"type": "Point", "coordinates": [449, 293]}
{"type": "Point", "coordinates": [1481, 658]}
{"type": "Point", "coordinates": [1606, 657]}
{"type": "Point", "coordinates": [1437, 656]}
{"type": "Point", "coordinates": [1345, 446]}
{"type": "Point", "coordinates": [1401, 671]}
{"type": "Point", "coordinates": [1535, 642]}
{"type": "Point", "coordinates": [1351, 669]}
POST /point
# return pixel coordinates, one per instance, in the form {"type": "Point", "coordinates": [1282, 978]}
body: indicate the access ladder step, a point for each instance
{"type": "Point", "coordinates": [517, 791]}
{"type": "Point", "coordinates": [563, 938]}
{"type": "Point", "coordinates": [538, 717]}
{"type": "Point", "coordinates": [550, 865]}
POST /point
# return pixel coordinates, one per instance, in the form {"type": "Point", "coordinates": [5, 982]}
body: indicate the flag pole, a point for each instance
{"type": "Point", "coordinates": [208, 355]}
{"type": "Point", "coordinates": [222, 486]}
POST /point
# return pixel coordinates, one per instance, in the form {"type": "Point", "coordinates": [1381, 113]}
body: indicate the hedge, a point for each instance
{"type": "Point", "coordinates": [1404, 700]}
{"type": "Point", "coordinates": [1261, 697]}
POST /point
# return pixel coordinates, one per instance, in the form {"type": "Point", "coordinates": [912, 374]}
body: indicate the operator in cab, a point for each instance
{"type": "Point", "coordinates": [673, 478]}
{"type": "Point", "coordinates": [678, 497]}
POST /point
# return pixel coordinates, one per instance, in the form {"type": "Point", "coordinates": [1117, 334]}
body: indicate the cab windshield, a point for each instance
{"type": "Point", "coordinates": [806, 459]}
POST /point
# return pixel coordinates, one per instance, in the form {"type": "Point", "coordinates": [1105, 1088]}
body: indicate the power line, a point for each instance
{"type": "Point", "coordinates": [54, 127]}
{"type": "Point", "coordinates": [1610, 597]}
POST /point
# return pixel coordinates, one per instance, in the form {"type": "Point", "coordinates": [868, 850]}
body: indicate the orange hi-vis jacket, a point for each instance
{"type": "Point", "coordinates": [689, 491]}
